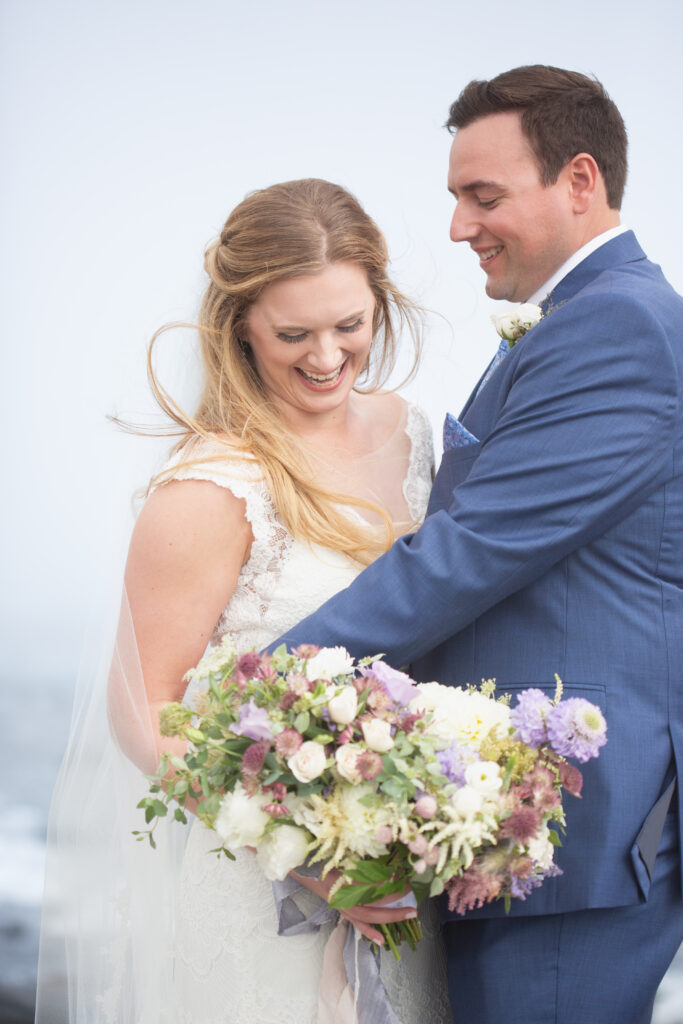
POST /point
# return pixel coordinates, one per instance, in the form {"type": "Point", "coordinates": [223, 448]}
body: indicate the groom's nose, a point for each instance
{"type": "Point", "coordinates": [463, 226]}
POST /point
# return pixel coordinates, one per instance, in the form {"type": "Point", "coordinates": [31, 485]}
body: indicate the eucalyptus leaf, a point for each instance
{"type": "Point", "coordinates": [369, 871]}
{"type": "Point", "coordinates": [351, 895]}
{"type": "Point", "coordinates": [301, 722]}
{"type": "Point", "coordinates": [436, 888]}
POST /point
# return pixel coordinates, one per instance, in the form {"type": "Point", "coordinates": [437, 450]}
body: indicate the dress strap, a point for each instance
{"type": "Point", "coordinates": [418, 479]}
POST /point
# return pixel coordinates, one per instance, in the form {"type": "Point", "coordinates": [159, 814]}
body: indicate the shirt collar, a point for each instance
{"type": "Point", "coordinates": [578, 257]}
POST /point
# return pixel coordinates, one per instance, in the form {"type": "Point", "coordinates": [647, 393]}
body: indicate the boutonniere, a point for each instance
{"type": "Point", "coordinates": [513, 325]}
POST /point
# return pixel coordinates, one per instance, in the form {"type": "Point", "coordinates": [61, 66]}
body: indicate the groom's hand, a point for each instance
{"type": "Point", "coordinates": [364, 916]}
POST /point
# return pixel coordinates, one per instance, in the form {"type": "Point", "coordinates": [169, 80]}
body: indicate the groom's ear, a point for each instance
{"type": "Point", "coordinates": [585, 182]}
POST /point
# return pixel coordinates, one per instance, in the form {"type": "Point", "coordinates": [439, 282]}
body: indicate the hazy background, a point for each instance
{"type": "Point", "coordinates": [130, 130]}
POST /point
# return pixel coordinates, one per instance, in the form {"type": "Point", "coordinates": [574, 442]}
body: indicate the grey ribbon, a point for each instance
{"type": "Point", "coordinates": [373, 1002]}
{"type": "Point", "coordinates": [360, 963]}
{"type": "Point", "coordinates": [290, 919]}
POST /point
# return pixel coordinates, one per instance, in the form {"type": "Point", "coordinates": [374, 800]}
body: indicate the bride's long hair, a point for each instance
{"type": "Point", "coordinates": [284, 231]}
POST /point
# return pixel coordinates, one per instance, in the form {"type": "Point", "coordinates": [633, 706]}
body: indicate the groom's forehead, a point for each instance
{"type": "Point", "coordinates": [489, 153]}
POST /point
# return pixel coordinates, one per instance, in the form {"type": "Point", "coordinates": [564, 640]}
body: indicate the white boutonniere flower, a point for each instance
{"type": "Point", "coordinates": [514, 325]}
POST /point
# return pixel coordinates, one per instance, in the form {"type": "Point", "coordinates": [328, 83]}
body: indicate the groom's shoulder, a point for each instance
{"type": "Point", "coordinates": [633, 294]}
{"type": "Point", "coordinates": [614, 319]}
{"type": "Point", "coordinates": [623, 274]}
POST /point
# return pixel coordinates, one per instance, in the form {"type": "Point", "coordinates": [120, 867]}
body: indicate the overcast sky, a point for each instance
{"type": "Point", "coordinates": [131, 129]}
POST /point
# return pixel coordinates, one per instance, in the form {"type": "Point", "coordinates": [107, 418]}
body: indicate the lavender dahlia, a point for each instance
{"type": "Point", "coordinates": [530, 715]}
{"type": "Point", "coordinates": [576, 728]}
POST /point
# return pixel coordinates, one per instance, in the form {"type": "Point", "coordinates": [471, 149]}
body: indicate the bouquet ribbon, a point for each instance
{"type": "Point", "coordinates": [351, 989]}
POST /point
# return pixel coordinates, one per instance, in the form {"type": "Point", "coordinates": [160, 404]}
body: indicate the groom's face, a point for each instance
{"type": "Point", "coordinates": [520, 229]}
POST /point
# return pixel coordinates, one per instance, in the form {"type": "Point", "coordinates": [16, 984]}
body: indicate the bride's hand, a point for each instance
{"type": "Point", "coordinates": [363, 916]}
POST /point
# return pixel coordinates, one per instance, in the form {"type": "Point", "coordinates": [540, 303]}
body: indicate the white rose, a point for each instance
{"type": "Point", "coordinates": [328, 663]}
{"type": "Point", "coordinates": [484, 776]}
{"type": "Point", "coordinates": [240, 820]}
{"type": "Point", "coordinates": [308, 762]}
{"type": "Point", "coordinates": [281, 851]}
{"type": "Point", "coordinates": [343, 707]}
{"type": "Point", "coordinates": [529, 314]}
{"type": "Point", "coordinates": [377, 735]}
{"type": "Point", "coordinates": [467, 801]}
{"type": "Point", "coordinates": [516, 322]}
{"type": "Point", "coordinates": [505, 324]}
{"type": "Point", "coordinates": [346, 757]}
{"type": "Point", "coordinates": [541, 850]}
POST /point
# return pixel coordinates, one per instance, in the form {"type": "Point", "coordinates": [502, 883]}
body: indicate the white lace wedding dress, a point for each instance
{"type": "Point", "coordinates": [231, 967]}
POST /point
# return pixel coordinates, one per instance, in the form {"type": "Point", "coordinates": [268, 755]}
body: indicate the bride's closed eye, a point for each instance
{"type": "Point", "coordinates": [344, 328]}
{"type": "Point", "coordinates": [348, 328]}
{"type": "Point", "coordinates": [292, 337]}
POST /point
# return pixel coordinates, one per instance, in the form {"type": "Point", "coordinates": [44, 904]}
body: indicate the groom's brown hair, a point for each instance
{"type": "Point", "coordinates": [563, 113]}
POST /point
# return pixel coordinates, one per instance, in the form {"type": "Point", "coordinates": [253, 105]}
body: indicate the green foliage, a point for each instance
{"type": "Point", "coordinates": [302, 721]}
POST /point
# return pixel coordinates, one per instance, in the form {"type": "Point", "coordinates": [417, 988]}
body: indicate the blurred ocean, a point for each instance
{"type": "Point", "coordinates": [36, 719]}
{"type": "Point", "coordinates": [35, 732]}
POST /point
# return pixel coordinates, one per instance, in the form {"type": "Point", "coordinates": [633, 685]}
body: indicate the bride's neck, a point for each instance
{"type": "Point", "coordinates": [341, 431]}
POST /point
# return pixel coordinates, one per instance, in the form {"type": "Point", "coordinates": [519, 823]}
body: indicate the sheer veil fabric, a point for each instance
{"type": "Point", "coordinates": [106, 947]}
{"type": "Point", "coordinates": [167, 935]}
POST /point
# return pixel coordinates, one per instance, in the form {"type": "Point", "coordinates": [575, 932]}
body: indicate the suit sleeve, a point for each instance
{"type": "Point", "coordinates": [586, 432]}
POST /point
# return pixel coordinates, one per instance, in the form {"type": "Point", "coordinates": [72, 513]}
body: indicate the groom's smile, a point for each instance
{"type": "Point", "coordinates": [520, 229]}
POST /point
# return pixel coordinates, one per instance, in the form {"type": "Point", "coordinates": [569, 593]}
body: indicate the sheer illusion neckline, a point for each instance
{"type": "Point", "coordinates": [399, 428]}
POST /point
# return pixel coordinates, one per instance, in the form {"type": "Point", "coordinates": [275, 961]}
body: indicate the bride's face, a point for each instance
{"type": "Point", "coordinates": [310, 337]}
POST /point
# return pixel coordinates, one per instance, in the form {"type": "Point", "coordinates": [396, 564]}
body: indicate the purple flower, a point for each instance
{"type": "Point", "coordinates": [453, 763]}
{"type": "Point", "coordinates": [398, 685]}
{"type": "Point", "coordinates": [253, 722]}
{"type": "Point", "coordinates": [248, 664]}
{"type": "Point", "coordinates": [254, 756]}
{"type": "Point", "coordinates": [530, 715]}
{"type": "Point", "coordinates": [521, 824]}
{"type": "Point", "coordinates": [520, 888]}
{"type": "Point", "coordinates": [576, 728]}
{"type": "Point", "coordinates": [369, 764]}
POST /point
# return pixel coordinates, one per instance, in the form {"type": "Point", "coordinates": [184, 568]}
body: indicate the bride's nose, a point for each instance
{"type": "Point", "coordinates": [325, 354]}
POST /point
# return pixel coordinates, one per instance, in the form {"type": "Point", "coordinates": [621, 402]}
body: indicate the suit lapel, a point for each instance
{"type": "Point", "coordinates": [622, 249]}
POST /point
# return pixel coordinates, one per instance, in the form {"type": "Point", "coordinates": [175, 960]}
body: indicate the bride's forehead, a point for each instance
{"type": "Point", "coordinates": [336, 291]}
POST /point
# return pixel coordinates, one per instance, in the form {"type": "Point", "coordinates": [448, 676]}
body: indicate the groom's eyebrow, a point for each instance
{"type": "Point", "coordinates": [475, 186]}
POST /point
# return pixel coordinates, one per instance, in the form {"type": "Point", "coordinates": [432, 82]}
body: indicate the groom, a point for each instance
{"type": "Point", "coordinates": [554, 543]}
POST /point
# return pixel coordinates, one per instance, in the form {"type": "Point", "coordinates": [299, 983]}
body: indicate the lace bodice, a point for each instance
{"type": "Point", "coordinates": [230, 964]}
{"type": "Point", "coordinates": [284, 579]}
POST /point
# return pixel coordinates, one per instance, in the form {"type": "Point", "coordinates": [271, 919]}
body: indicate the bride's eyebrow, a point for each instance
{"type": "Point", "coordinates": [301, 327]}
{"type": "Point", "coordinates": [351, 316]}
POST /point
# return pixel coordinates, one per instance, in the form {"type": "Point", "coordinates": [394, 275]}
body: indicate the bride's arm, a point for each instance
{"type": "Point", "coordinates": [188, 546]}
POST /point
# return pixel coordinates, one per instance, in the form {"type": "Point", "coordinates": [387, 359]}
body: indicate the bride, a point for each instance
{"type": "Point", "coordinates": [286, 482]}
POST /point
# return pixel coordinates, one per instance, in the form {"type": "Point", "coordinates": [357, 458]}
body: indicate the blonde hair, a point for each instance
{"type": "Point", "coordinates": [284, 231]}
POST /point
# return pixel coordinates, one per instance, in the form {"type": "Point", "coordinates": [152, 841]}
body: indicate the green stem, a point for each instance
{"type": "Point", "coordinates": [407, 931]}
{"type": "Point", "coordinates": [386, 931]}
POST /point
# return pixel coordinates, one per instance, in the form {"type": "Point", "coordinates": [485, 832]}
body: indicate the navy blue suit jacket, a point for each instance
{"type": "Point", "coordinates": [555, 544]}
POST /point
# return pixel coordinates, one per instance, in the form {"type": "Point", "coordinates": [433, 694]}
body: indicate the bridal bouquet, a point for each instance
{"type": "Point", "coordinates": [308, 758]}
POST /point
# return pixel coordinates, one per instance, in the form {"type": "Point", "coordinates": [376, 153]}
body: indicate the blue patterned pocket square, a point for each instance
{"type": "Point", "coordinates": [455, 435]}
